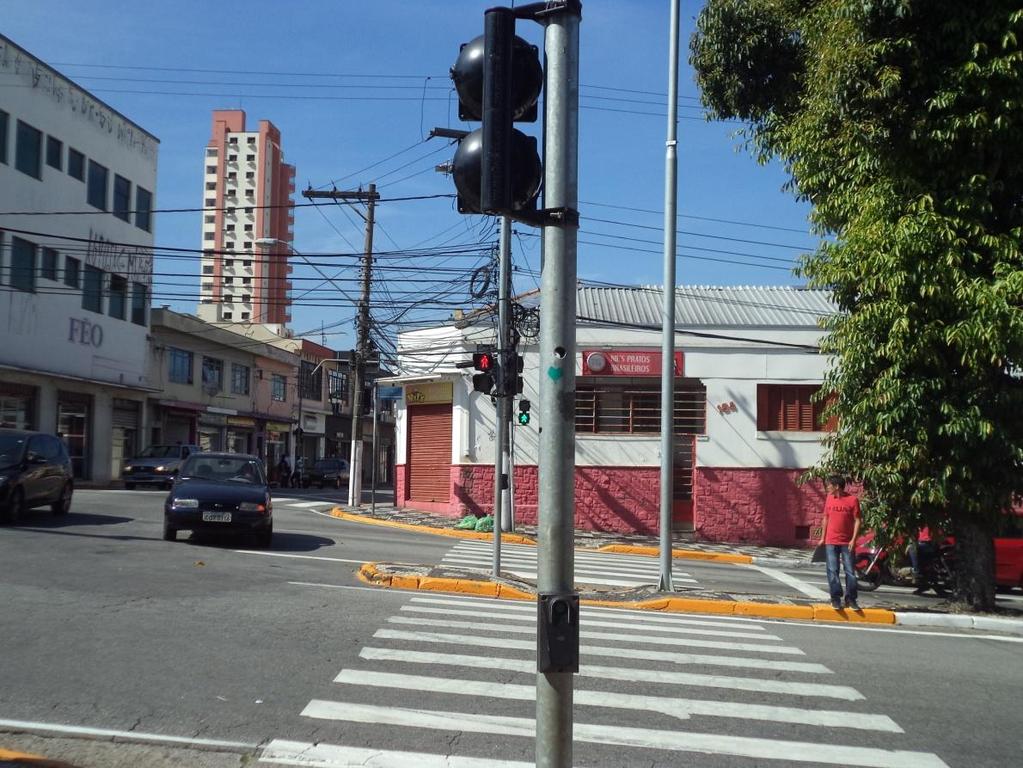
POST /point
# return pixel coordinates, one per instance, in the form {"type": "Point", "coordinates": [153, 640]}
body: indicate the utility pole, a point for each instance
{"type": "Point", "coordinates": [668, 310]}
{"type": "Point", "coordinates": [362, 333]}
{"type": "Point", "coordinates": [558, 601]}
{"type": "Point", "coordinates": [506, 388]}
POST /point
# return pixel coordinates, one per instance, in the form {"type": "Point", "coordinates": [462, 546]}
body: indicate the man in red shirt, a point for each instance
{"type": "Point", "coordinates": [839, 529]}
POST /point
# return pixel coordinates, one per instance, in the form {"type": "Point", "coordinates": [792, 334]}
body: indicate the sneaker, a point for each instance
{"type": "Point", "coordinates": [836, 604]}
{"type": "Point", "coordinates": [852, 604]}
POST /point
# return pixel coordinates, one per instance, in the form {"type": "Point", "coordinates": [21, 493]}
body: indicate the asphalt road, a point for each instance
{"type": "Point", "coordinates": [103, 625]}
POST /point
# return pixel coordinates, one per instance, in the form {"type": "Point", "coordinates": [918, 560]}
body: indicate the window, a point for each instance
{"type": "Point", "coordinates": [251, 158]}
{"type": "Point", "coordinates": [212, 374]}
{"type": "Point", "coordinates": [211, 169]}
{"type": "Point", "coordinates": [239, 379]}
{"type": "Point", "coordinates": [49, 265]}
{"type": "Point", "coordinates": [72, 268]}
{"type": "Point", "coordinates": [210, 202]}
{"type": "Point", "coordinates": [232, 158]}
{"type": "Point", "coordinates": [122, 197]}
{"type": "Point", "coordinates": [209, 219]}
{"type": "Point", "coordinates": [246, 299]}
{"type": "Point", "coordinates": [139, 303]}
{"type": "Point", "coordinates": [278, 388]}
{"type": "Point", "coordinates": [248, 227]}
{"type": "Point", "coordinates": [227, 316]}
{"type": "Point", "coordinates": [28, 150]}
{"type": "Point", "coordinates": [228, 280]}
{"type": "Point", "coordinates": [229, 299]}
{"type": "Point", "coordinates": [207, 287]}
{"type": "Point", "coordinates": [228, 262]}
{"type": "Point", "coordinates": [23, 265]}
{"type": "Point", "coordinates": [790, 408]}
{"type": "Point", "coordinates": [251, 139]}
{"type": "Point", "coordinates": [4, 117]}
{"type": "Point", "coordinates": [229, 246]}
{"type": "Point", "coordinates": [92, 289]}
{"type": "Point", "coordinates": [96, 187]}
{"type": "Point", "coordinates": [54, 153]}
{"type": "Point", "coordinates": [310, 384]}
{"type": "Point", "coordinates": [232, 140]}
{"type": "Point", "coordinates": [75, 164]}
{"type": "Point", "coordinates": [247, 264]}
{"type": "Point", "coordinates": [207, 269]}
{"type": "Point", "coordinates": [209, 235]}
{"type": "Point", "coordinates": [617, 404]}
{"type": "Point", "coordinates": [229, 228]}
{"type": "Point", "coordinates": [247, 245]}
{"type": "Point", "coordinates": [118, 297]}
{"type": "Point", "coordinates": [337, 385]}
{"type": "Point", "coordinates": [250, 175]}
{"type": "Point", "coordinates": [143, 208]}
{"type": "Point", "coordinates": [211, 186]}
{"type": "Point", "coordinates": [246, 281]}
{"type": "Point", "coordinates": [179, 365]}
{"type": "Point", "coordinates": [245, 315]}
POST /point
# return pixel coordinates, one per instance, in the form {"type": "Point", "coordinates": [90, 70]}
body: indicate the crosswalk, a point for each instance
{"type": "Point", "coordinates": [302, 504]}
{"type": "Point", "coordinates": [449, 682]}
{"type": "Point", "coordinates": [590, 567]}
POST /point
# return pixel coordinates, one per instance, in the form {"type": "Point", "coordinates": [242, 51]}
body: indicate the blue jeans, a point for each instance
{"type": "Point", "coordinates": [832, 551]}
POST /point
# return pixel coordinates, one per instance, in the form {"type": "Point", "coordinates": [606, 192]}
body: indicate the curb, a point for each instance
{"type": "Point", "coordinates": [959, 621]}
{"type": "Point", "coordinates": [27, 760]}
{"type": "Point", "coordinates": [511, 538]}
{"type": "Point", "coordinates": [370, 574]}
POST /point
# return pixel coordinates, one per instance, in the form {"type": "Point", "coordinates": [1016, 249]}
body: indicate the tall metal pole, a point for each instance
{"type": "Point", "coordinates": [376, 415]}
{"type": "Point", "coordinates": [361, 352]}
{"type": "Point", "coordinates": [504, 398]}
{"type": "Point", "coordinates": [557, 366]}
{"type": "Point", "coordinates": [668, 311]}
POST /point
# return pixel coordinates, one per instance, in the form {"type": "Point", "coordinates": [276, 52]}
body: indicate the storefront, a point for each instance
{"type": "Point", "coordinates": [428, 472]}
{"type": "Point", "coordinates": [240, 434]}
{"type": "Point", "coordinates": [17, 406]}
{"type": "Point", "coordinates": [74, 414]}
{"type": "Point", "coordinates": [276, 442]}
{"type": "Point", "coordinates": [212, 428]}
{"type": "Point", "coordinates": [177, 422]}
{"type": "Point", "coordinates": [125, 426]}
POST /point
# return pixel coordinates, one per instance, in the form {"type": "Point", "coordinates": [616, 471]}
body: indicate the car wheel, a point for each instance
{"type": "Point", "coordinates": [129, 486]}
{"type": "Point", "coordinates": [63, 505]}
{"type": "Point", "coordinates": [265, 537]}
{"type": "Point", "coordinates": [169, 533]}
{"type": "Point", "coordinates": [15, 506]}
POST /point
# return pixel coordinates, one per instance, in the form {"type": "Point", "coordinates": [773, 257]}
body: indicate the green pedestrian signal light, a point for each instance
{"type": "Point", "coordinates": [524, 412]}
{"type": "Point", "coordinates": [523, 418]}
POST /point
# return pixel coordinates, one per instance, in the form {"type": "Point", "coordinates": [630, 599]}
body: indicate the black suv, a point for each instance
{"type": "Point", "coordinates": [35, 471]}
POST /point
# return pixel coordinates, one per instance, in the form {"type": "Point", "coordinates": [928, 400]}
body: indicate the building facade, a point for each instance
{"type": "Point", "coordinates": [217, 389]}
{"type": "Point", "coordinates": [746, 422]}
{"type": "Point", "coordinates": [247, 224]}
{"type": "Point", "coordinates": [75, 290]}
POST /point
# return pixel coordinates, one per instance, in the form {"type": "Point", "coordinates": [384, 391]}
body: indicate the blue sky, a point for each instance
{"type": "Point", "coordinates": [350, 84]}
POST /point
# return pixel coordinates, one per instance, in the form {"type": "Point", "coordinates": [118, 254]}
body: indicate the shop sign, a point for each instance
{"type": "Point", "coordinates": [423, 394]}
{"type": "Point", "coordinates": [276, 426]}
{"type": "Point", "coordinates": [389, 393]}
{"type": "Point", "coordinates": [84, 331]}
{"type": "Point", "coordinates": [240, 421]}
{"type": "Point", "coordinates": [626, 362]}
{"type": "Point", "coordinates": [213, 419]}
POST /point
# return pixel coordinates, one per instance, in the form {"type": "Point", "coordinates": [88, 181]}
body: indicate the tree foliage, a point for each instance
{"type": "Point", "coordinates": [901, 121]}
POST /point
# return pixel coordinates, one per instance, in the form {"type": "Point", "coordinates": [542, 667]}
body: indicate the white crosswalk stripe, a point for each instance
{"type": "Point", "coordinates": [435, 666]}
{"type": "Point", "coordinates": [603, 568]}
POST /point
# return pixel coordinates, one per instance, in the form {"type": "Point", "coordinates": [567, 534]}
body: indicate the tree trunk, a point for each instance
{"type": "Point", "coordinates": [975, 567]}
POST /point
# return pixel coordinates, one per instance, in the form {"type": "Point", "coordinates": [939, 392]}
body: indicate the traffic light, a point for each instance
{"type": "Point", "coordinates": [498, 77]}
{"type": "Point", "coordinates": [524, 412]}
{"type": "Point", "coordinates": [512, 382]}
{"type": "Point", "coordinates": [485, 362]}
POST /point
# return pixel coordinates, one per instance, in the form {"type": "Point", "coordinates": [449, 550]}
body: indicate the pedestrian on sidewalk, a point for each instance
{"type": "Point", "coordinates": [839, 531]}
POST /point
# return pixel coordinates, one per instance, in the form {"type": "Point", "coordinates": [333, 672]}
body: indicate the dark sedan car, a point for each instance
{"type": "Point", "coordinates": [220, 491]}
{"type": "Point", "coordinates": [328, 472]}
{"type": "Point", "coordinates": [35, 471]}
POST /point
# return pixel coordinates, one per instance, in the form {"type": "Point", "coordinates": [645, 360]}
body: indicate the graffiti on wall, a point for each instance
{"type": "Point", "coordinates": [135, 262]}
{"type": "Point", "coordinates": [63, 93]}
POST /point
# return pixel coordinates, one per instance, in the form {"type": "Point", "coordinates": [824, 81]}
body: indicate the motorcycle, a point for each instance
{"type": "Point", "coordinates": [876, 565]}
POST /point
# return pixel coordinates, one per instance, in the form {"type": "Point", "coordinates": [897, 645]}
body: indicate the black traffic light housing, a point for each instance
{"type": "Point", "coordinates": [498, 77]}
{"type": "Point", "coordinates": [511, 368]}
{"type": "Point", "coordinates": [557, 632]}
{"type": "Point", "coordinates": [485, 361]}
{"type": "Point", "coordinates": [523, 418]}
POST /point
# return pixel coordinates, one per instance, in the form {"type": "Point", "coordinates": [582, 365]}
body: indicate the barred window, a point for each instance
{"type": "Point", "coordinates": [615, 404]}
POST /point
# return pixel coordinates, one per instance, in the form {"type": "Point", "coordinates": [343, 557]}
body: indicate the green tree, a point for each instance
{"type": "Point", "coordinates": [901, 122]}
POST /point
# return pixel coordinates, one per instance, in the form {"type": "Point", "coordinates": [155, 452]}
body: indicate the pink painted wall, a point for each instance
{"type": "Point", "coordinates": [759, 506]}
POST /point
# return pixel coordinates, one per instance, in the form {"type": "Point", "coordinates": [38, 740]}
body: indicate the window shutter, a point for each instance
{"type": "Point", "coordinates": [763, 407]}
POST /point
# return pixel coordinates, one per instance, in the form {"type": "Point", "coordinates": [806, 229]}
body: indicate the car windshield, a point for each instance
{"type": "Point", "coordinates": [160, 452]}
{"type": "Point", "coordinates": [11, 448]}
{"type": "Point", "coordinates": [223, 469]}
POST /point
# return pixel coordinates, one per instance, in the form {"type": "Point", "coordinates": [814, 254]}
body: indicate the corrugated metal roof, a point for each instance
{"type": "Point", "coordinates": [707, 305]}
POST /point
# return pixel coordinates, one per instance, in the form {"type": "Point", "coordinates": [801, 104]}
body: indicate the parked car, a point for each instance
{"type": "Point", "coordinates": [1009, 554]}
{"type": "Point", "coordinates": [35, 471]}
{"type": "Point", "coordinates": [220, 491]}
{"type": "Point", "coordinates": [332, 472]}
{"type": "Point", "coordinates": [156, 465]}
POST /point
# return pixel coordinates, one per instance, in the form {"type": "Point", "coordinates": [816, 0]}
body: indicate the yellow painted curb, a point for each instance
{"type": "Point", "coordinates": [683, 554]}
{"type": "Point", "coordinates": [371, 575]}
{"type": "Point", "coordinates": [29, 760]}
{"type": "Point", "coordinates": [510, 538]}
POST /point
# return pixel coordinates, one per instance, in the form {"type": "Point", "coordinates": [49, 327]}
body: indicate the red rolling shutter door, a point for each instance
{"type": "Point", "coordinates": [429, 451]}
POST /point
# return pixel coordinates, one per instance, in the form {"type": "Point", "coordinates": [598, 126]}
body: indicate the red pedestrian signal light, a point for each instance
{"type": "Point", "coordinates": [483, 361]}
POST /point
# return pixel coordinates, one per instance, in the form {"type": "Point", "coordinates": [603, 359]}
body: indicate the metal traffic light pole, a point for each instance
{"type": "Point", "coordinates": [557, 376]}
{"type": "Point", "coordinates": [505, 387]}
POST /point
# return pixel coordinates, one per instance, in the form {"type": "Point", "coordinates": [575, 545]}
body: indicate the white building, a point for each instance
{"type": "Point", "coordinates": [75, 285]}
{"type": "Point", "coordinates": [746, 367]}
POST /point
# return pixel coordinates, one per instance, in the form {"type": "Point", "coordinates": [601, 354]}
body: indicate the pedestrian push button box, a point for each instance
{"type": "Point", "coordinates": [557, 632]}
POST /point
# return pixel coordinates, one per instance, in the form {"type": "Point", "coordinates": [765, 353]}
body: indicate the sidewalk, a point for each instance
{"type": "Point", "coordinates": [683, 600]}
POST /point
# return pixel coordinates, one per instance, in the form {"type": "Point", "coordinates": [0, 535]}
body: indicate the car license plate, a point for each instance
{"type": "Point", "coordinates": [216, 517]}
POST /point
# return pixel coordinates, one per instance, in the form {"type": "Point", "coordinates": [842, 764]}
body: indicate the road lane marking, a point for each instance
{"type": "Point", "coordinates": [291, 554]}
{"type": "Point", "coordinates": [706, 743]}
{"type": "Point", "coordinates": [682, 709]}
{"type": "Point", "coordinates": [309, 504]}
{"type": "Point", "coordinates": [679, 658]}
{"type": "Point", "coordinates": [630, 623]}
{"type": "Point", "coordinates": [791, 581]}
{"type": "Point", "coordinates": [629, 675]}
{"type": "Point", "coordinates": [321, 755]}
{"type": "Point", "coordinates": [23, 725]}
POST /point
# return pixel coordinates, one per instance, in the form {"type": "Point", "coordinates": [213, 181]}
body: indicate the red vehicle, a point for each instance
{"type": "Point", "coordinates": [1009, 555]}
